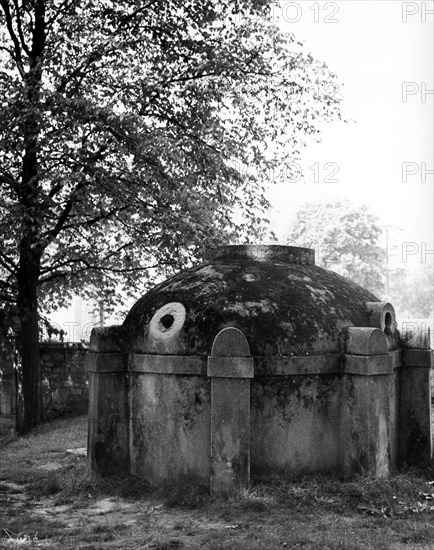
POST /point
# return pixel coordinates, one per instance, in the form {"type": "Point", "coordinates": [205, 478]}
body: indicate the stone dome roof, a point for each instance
{"type": "Point", "coordinates": [281, 301]}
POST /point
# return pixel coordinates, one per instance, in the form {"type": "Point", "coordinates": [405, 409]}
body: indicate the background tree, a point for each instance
{"type": "Point", "coordinates": [345, 237]}
{"type": "Point", "coordinates": [412, 293]}
{"type": "Point", "coordinates": [125, 130]}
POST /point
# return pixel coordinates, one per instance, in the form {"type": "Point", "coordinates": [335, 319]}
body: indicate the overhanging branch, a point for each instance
{"type": "Point", "coordinates": [89, 267]}
{"type": "Point", "coordinates": [16, 44]}
{"type": "Point", "coordinates": [20, 28]}
{"type": "Point", "coordinates": [8, 264]}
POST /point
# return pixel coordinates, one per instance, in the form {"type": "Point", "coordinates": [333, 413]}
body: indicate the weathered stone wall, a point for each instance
{"type": "Point", "coordinates": [64, 378]}
{"type": "Point", "coordinates": [7, 394]}
{"type": "Point", "coordinates": [295, 424]}
{"type": "Point", "coordinates": [432, 402]}
{"type": "Point", "coordinates": [64, 384]}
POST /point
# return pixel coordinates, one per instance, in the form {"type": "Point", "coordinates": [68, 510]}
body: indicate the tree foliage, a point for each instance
{"type": "Point", "coordinates": [125, 128]}
{"type": "Point", "coordinates": [345, 237]}
{"type": "Point", "coordinates": [412, 292]}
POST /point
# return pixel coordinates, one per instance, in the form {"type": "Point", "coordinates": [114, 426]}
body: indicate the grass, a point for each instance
{"type": "Point", "coordinates": [49, 499]}
{"type": "Point", "coordinates": [42, 445]}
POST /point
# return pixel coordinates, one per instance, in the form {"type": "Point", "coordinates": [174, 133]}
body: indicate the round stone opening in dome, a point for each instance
{"type": "Point", "coordinates": [167, 321]}
{"type": "Point", "coordinates": [388, 322]}
{"type": "Point", "coordinates": [266, 252]}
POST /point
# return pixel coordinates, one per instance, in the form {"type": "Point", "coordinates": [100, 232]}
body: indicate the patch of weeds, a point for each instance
{"type": "Point", "coordinates": [186, 527]}
{"type": "Point", "coordinates": [170, 544]}
{"type": "Point", "coordinates": [100, 528]}
{"type": "Point", "coordinates": [265, 543]}
{"type": "Point", "coordinates": [105, 528]}
{"type": "Point", "coordinates": [302, 495]}
{"type": "Point", "coordinates": [15, 540]}
{"type": "Point", "coordinates": [10, 488]}
{"type": "Point", "coordinates": [253, 505]}
{"type": "Point", "coordinates": [32, 526]}
{"type": "Point", "coordinates": [398, 496]}
{"type": "Point", "coordinates": [78, 483]}
{"type": "Point", "coordinates": [424, 472]}
{"type": "Point", "coordinates": [73, 482]}
{"type": "Point", "coordinates": [253, 500]}
{"type": "Point", "coordinates": [345, 544]}
{"type": "Point", "coordinates": [73, 478]}
{"type": "Point", "coordinates": [51, 485]}
{"type": "Point", "coordinates": [103, 533]}
{"type": "Point", "coordinates": [21, 475]}
{"type": "Point", "coordinates": [61, 500]}
{"type": "Point", "coordinates": [411, 532]}
{"type": "Point", "coordinates": [100, 537]}
{"type": "Point", "coordinates": [338, 539]}
{"type": "Point", "coordinates": [131, 487]}
{"type": "Point", "coordinates": [185, 495]}
{"type": "Point", "coordinates": [418, 536]}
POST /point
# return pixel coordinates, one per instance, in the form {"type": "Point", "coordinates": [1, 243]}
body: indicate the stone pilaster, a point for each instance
{"type": "Point", "coordinates": [368, 409]}
{"type": "Point", "coordinates": [108, 448]}
{"type": "Point", "coordinates": [230, 368]}
{"type": "Point", "coordinates": [415, 428]}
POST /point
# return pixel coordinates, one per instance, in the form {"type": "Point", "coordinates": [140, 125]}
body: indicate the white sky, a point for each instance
{"type": "Point", "coordinates": [373, 52]}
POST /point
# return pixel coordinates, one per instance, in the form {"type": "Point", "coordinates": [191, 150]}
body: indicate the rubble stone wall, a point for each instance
{"type": "Point", "coordinates": [7, 394]}
{"type": "Point", "coordinates": [64, 378]}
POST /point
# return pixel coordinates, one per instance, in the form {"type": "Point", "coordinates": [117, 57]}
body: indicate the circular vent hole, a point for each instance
{"type": "Point", "coordinates": [388, 323]}
{"type": "Point", "coordinates": [167, 321]}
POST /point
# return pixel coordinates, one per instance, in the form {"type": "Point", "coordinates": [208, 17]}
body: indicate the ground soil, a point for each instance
{"type": "Point", "coordinates": [49, 499]}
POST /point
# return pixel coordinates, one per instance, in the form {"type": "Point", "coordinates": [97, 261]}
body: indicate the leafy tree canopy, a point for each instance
{"type": "Point", "coordinates": [125, 133]}
{"type": "Point", "coordinates": [412, 293]}
{"type": "Point", "coordinates": [345, 237]}
{"type": "Point", "coordinates": [125, 126]}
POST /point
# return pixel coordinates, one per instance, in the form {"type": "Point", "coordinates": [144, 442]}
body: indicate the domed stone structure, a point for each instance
{"type": "Point", "coordinates": [255, 362]}
{"type": "Point", "coordinates": [281, 301]}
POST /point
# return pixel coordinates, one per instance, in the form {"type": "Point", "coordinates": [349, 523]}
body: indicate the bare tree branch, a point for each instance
{"type": "Point", "coordinates": [18, 57]}
{"type": "Point", "coordinates": [92, 221]}
{"type": "Point", "coordinates": [90, 267]}
{"type": "Point", "coordinates": [8, 264]}
{"type": "Point", "coordinates": [85, 262]}
{"type": "Point", "coordinates": [135, 13]}
{"type": "Point", "coordinates": [7, 298]}
{"type": "Point", "coordinates": [20, 28]}
{"type": "Point", "coordinates": [60, 11]}
{"type": "Point", "coordinates": [6, 177]}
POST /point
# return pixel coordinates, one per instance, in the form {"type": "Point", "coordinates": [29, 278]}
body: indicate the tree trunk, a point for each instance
{"type": "Point", "coordinates": [28, 276]}
{"type": "Point", "coordinates": [28, 280]}
{"type": "Point", "coordinates": [31, 245]}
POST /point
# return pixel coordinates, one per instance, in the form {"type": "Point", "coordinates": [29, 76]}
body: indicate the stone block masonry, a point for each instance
{"type": "Point", "coordinates": [65, 387]}
{"type": "Point", "coordinates": [257, 363]}
{"type": "Point", "coordinates": [7, 393]}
